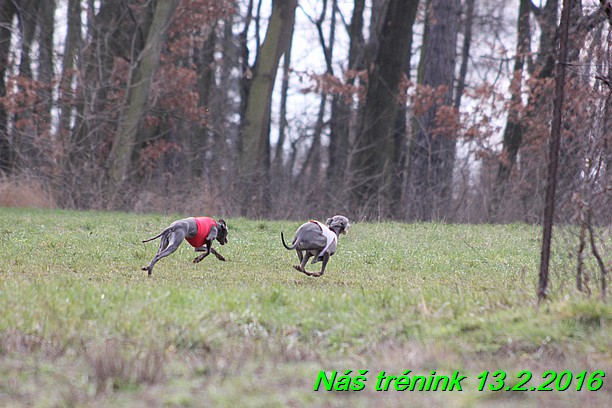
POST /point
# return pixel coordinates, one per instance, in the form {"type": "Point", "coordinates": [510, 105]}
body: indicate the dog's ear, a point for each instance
{"type": "Point", "coordinates": [222, 225]}
{"type": "Point", "coordinates": [328, 222]}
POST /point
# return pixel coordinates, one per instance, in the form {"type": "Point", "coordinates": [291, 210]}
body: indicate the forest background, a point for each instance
{"type": "Point", "coordinates": [382, 109]}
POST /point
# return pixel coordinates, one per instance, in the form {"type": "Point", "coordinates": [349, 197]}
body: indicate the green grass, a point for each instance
{"type": "Point", "coordinates": [82, 325]}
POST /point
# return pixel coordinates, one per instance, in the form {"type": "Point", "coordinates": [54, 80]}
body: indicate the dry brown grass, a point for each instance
{"type": "Point", "coordinates": [24, 192]}
{"type": "Point", "coordinates": [113, 367]}
{"type": "Point", "coordinates": [199, 200]}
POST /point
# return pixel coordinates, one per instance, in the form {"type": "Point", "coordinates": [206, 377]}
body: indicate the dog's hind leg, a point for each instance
{"type": "Point", "coordinates": [163, 243]}
{"type": "Point", "coordinates": [172, 243]}
{"type": "Point", "coordinates": [323, 265]}
{"type": "Point", "coordinates": [300, 255]}
{"type": "Point", "coordinates": [302, 266]}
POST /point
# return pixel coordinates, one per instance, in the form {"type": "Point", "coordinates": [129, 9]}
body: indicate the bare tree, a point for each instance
{"type": "Point", "coordinates": [254, 162]}
{"type": "Point", "coordinates": [468, 24]}
{"type": "Point", "coordinates": [72, 48]}
{"type": "Point", "coordinates": [342, 111]}
{"type": "Point", "coordinates": [553, 158]}
{"type": "Point", "coordinates": [513, 132]}
{"type": "Point", "coordinates": [7, 151]}
{"type": "Point", "coordinates": [120, 157]}
{"type": "Point", "coordinates": [373, 179]}
{"type": "Point", "coordinates": [312, 164]}
{"type": "Point", "coordinates": [111, 38]}
{"type": "Point", "coordinates": [25, 143]}
{"type": "Point", "coordinates": [202, 139]}
{"type": "Point", "coordinates": [46, 29]}
{"type": "Point", "coordinates": [433, 151]}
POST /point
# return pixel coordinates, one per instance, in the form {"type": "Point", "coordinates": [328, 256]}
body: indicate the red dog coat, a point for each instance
{"type": "Point", "coordinates": [204, 224]}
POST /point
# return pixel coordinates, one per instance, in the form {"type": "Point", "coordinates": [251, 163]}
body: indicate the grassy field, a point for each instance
{"type": "Point", "coordinates": [82, 325]}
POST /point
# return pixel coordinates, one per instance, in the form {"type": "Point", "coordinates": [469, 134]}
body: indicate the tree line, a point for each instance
{"type": "Point", "coordinates": [420, 109]}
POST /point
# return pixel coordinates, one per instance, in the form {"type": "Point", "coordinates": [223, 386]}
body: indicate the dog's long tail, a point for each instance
{"type": "Point", "coordinates": [157, 236]}
{"type": "Point", "coordinates": [285, 244]}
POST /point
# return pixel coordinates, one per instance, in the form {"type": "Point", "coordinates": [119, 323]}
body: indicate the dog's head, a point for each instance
{"type": "Point", "coordinates": [339, 222]}
{"type": "Point", "coordinates": [222, 231]}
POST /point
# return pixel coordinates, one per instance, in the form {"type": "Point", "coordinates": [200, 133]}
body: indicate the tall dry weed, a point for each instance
{"type": "Point", "coordinates": [24, 192]}
{"type": "Point", "coordinates": [114, 366]}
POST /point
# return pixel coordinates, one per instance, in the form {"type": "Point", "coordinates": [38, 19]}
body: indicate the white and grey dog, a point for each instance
{"type": "Point", "coordinates": [318, 240]}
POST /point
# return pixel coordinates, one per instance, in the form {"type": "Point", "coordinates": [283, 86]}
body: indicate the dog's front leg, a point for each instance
{"type": "Point", "coordinates": [203, 248]}
{"type": "Point", "coordinates": [218, 255]}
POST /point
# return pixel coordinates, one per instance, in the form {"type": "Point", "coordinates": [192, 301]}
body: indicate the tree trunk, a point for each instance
{"type": "Point", "coordinates": [282, 125]}
{"type": "Point", "coordinates": [71, 51]}
{"type": "Point", "coordinates": [120, 158]}
{"type": "Point", "coordinates": [111, 36]}
{"type": "Point", "coordinates": [401, 141]}
{"type": "Point", "coordinates": [45, 64]}
{"type": "Point", "coordinates": [254, 159]}
{"type": "Point", "coordinates": [226, 107]}
{"type": "Point", "coordinates": [433, 150]}
{"type": "Point", "coordinates": [7, 152]}
{"type": "Point", "coordinates": [553, 158]}
{"type": "Point", "coordinates": [607, 125]}
{"type": "Point", "coordinates": [531, 168]}
{"type": "Point", "coordinates": [313, 159]}
{"type": "Point", "coordinates": [342, 110]}
{"type": "Point", "coordinates": [312, 164]}
{"type": "Point", "coordinates": [465, 50]}
{"type": "Point", "coordinates": [373, 178]}
{"type": "Point", "coordinates": [513, 133]}
{"type": "Point", "coordinates": [26, 139]}
{"type": "Point", "coordinates": [203, 139]}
